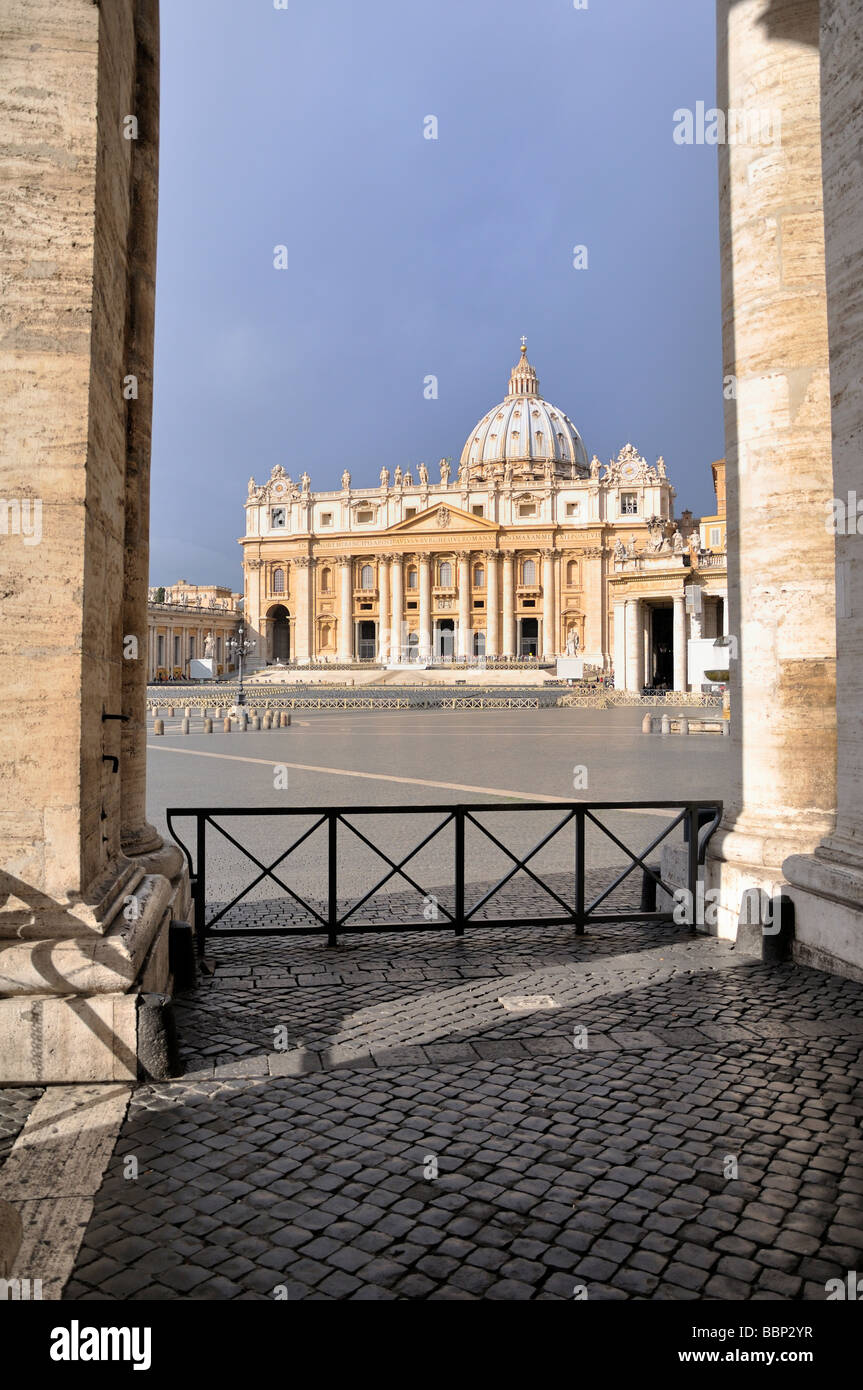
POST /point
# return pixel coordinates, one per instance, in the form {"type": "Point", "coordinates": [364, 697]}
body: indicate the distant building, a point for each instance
{"type": "Point", "coordinates": [509, 556]}
{"type": "Point", "coordinates": [190, 621]}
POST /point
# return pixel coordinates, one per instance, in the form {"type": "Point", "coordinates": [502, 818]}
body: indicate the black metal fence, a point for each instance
{"type": "Point", "coordinates": [333, 915]}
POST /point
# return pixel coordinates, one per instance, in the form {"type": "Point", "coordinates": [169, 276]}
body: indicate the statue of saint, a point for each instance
{"type": "Point", "coordinates": [678, 544]}
{"type": "Point", "coordinates": [423, 475]}
{"type": "Point", "coordinates": [305, 482]}
{"type": "Point", "coordinates": [251, 487]}
{"type": "Point", "coordinates": [397, 476]}
{"type": "Point", "coordinates": [444, 472]}
{"type": "Point", "coordinates": [572, 642]}
{"type": "Point", "coordinates": [209, 648]}
{"type": "Point", "coordinates": [619, 550]}
{"type": "Point", "coordinates": [385, 477]}
{"type": "Point", "coordinates": [595, 466]}
{"type": "Point", "coordinates": [346, 480]}
{"type": "Point", "coordinates": [660, 466]}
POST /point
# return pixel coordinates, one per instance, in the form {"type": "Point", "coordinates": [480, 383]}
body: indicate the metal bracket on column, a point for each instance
{"type": "Point", "coordinates": [110, 758]}
{"type": "Point", "coordinates": [124, 717]}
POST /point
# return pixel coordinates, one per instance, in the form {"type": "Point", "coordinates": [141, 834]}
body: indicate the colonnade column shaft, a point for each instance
{"type": "Point", "coordinates": [464, 594]}
{"type": "Point", "coordinates": [508, 605]}
{"type": "Point", "coordinates": [679, 641]}
{"type": "Point", "coordinates": [492, 631]}
{"type": "Point", "coordinates": [384, 609]}
{"type": "Point", "coordinates": [346, 605]}
{"type": "Point", "coordinates": [398, 605]}
{"type": "Point", "coordinates": [633, 644]}
{"type": "Point", "coordinates": [778, 448]}
{"type": "Point", "coordinates": [425, 608]}
{"type": "Point", "coordinates": [303, 570]}
{"type": "Point", "coordinates": [549, 605]}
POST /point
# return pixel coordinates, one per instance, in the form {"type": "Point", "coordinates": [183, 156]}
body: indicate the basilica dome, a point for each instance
{"type": "Point", "coordinates": [524, 429]}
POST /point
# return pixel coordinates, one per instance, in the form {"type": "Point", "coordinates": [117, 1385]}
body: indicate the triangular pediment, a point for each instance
{"type": "Point", "coordinates": [443, 516]}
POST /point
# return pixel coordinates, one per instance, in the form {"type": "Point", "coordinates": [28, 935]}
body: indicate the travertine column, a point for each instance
{"type": "Point", "coordinates": [634, 641]}
{"type": "Point", "coordinates": [304, 603]}
{"type": "Point", "coordinates": [508, 606]}
{"type": "Point", "coordinates": [778, 448]}
{"type": "Point", "coordinates": [384, 608]}
{"type": "Point", "coordinates": [679, 640]}
{"type": "Point", "coordinates": [549, 615]}
{"type": "Point", "coordinates": [492, 603]}
{"type": "Point", "coordinates": [464, 593]}
{"type": "Point", "coordinates": [398, 608]}
{"type": "Point", "coordinates": [346, 603]}
{"type": "Point", "coordinates": [425, 608]}
{"type": "Point", "coordinates": [828, 887]}
{"type": "Point", "coordinates": [83, 927]}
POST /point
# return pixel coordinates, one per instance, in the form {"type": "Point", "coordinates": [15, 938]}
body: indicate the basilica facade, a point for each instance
{"type": "Point", "coordinates": [509, 556]}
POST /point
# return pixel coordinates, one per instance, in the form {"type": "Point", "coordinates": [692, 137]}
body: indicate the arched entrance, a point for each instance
{"type": "Point", "coordinates": [444, 635]}
{"type": "Point", "coordinates": [279, 634]}
{"type": "Point", "coordinates": [528, 644]}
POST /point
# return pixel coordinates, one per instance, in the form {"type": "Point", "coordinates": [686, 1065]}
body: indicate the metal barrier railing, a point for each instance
{"type": "Point", "coordinates": [332, 916]}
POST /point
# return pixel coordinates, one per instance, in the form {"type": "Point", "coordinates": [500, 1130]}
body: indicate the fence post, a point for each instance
{"type": "Point", "coordinates": [579, 871]}
{"type": "Point", "coordinates": [201, 884]}
{"type": "Point", "coordinates": [459, 871]}
{"type": "Point", "coordinates": [693, 820]}
{"type": "Point", "coordinates": [333, 878]}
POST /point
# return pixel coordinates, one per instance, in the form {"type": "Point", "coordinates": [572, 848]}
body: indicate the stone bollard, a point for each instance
{"type": "Point", "coordinates": [208, 726]}
{"type": "Point", "coordinates": [647, 724]}
{"type": "Point", "coordinates": [187, 712]}
{"type": "Point", "coordinates": [267, 722]}
{"type": "Point", "coordinates": [682, 724]}
{"type": "Point", "coordinates": [665, 726]}
{"type": "Point", "coordinates": [726, 729]}
{"type": "Point", "coordinates": [268, 714]}
{"type": "Point", "coordinates": [285, 719]}
{"type": "Point", "coordinates": [242, 723]}
{"type": "Point", "coordinates": [256, 722]}
{"type": "Point", "coordinates": [227, 725]}
{"type": "Point", "coordinates": [158, 726]}
{"type": "Point", "coordinates": [170, 711]}
{"type": "Point", "coordinates": [184, 727]}
{"type": "Point", "coordinates": [203, 711]}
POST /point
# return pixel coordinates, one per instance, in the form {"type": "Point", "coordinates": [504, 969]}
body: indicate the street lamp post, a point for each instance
{"type": "Point", "coordinates": [240, 646]}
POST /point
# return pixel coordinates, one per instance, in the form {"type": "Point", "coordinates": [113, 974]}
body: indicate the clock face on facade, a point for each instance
{"type": "Point", "coordinates": [279, 487]}
{"type": "Point", "coordinates": [629, 472]}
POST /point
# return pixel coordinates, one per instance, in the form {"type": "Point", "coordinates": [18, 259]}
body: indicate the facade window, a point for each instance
{"type": "Point", "coordinates": [572, 572]}
{"type": "Point", "coordinates": [326, 580]}
{"type": "Point", "coordinates": [218, 648]}
{"type": "Point", "coordinates": [177, 657]}
{"type": "Point", "coordinates": [478, 577]}
{"type": "Point", "coordinates": [445, 575]}
{"type": "Point", "coordinates": [572, 509]}
{"type": "Point", "coordinates": [715, 535]}
{"type": "Point", "coordinates": [367, 577]}
{"type": "Point", "coordinates": [278, 581]}
{"type": "Point", "coordinates": [278, 518]}
{"type": "Point", "coordinates": [326, 518]}
{"type": "Point", "coordinates": [160, 650]}
{"type": "Point", "coordinates": [412, 578]}
{"type": "Point", "coordinates": [527, 509]}
{"type": "Point", "coordinates": [528, 572]}
{"type": "Point", "coordinates": [409, 512]}
{"type": "Point", "coordinates": [192, 647]}
{"type": "Point", "coordinates": [365, 515]}
{"type": "Point", "coordinates": [629, 504]}
{"type": "Point", "coordinates": [478, 509]}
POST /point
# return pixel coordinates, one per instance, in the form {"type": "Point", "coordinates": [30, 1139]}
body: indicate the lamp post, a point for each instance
{"type": "Point", "coordinates": [240, 646]}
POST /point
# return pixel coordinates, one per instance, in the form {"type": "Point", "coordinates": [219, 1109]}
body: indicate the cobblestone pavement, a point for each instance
{"type": "Point", "coordinates": [674, 1121]}
{"type": "Point", "coordinates": [16, 1102]}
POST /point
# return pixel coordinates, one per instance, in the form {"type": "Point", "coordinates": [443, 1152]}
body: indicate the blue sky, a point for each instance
{"type": "Point", "coordinates": [408, 257]}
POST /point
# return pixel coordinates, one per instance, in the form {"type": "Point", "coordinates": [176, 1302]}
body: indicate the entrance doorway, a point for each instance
{"type": "Point", "coordinates": [367, 632]}
{"type": "Point", "coordinates": [444, 639]}
{"type": "Point", "coordinates": [528, 640]}
{"type": "Point", "coordinates": [661, 671]}
{"type": "Point", "coordinates": [280, 633]}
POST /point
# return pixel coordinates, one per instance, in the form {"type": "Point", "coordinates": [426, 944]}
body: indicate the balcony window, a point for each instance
{"type": "Point", "coordinates": [412, 579]}
{"type": "Point", "coordinates": [278, 581]}
{"type": "Point", "coordinates": [528, 572]}
{"type": "Point", "coordinates": [629, 504]}
{"type": "Point", "coordinates": [278, 518]}
{"type": "Point", "coordinates": [367, 577]}
{"type": "Point", "coordinates": [478, 577]}
{"type": "Point", "coordinates": [445, 575]}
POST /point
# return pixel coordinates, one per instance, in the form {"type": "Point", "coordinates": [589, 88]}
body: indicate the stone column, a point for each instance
{"type": "Point", "coordinates": [508, 606]}
{"type": "Point", "coordinates": [398, 608]}
{"type": "Point", "coordinates": [464, 607]}
{"type": "Point", "coordinates": [83, 926]}
{"type": "Point", "coordinates": [679, 641]}
{"type": "Point", "coordinates": [492, 603]}
{"type": "Point", "coordinates": [549, 620]}
{"type": "Point", "coordinates": [304, 601]}
{"type": "Point", "coordinates": [634, 641]}
{"type": "Point", "coordinates": [619, 638]}
{"type": "Point", "coordinates": [384, 608]}
{"type": "Point", "coordinates": [778, 450]}
{"type": "Point", "coordinates": [346, 605]}
{"type": "Point", "coordinates": [425, 608]}
{"type": "Point", "coordinates": [827, 887]}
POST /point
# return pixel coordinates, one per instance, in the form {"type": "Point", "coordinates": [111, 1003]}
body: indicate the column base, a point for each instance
{"type": "Point", "coordinates": [828, 900]}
